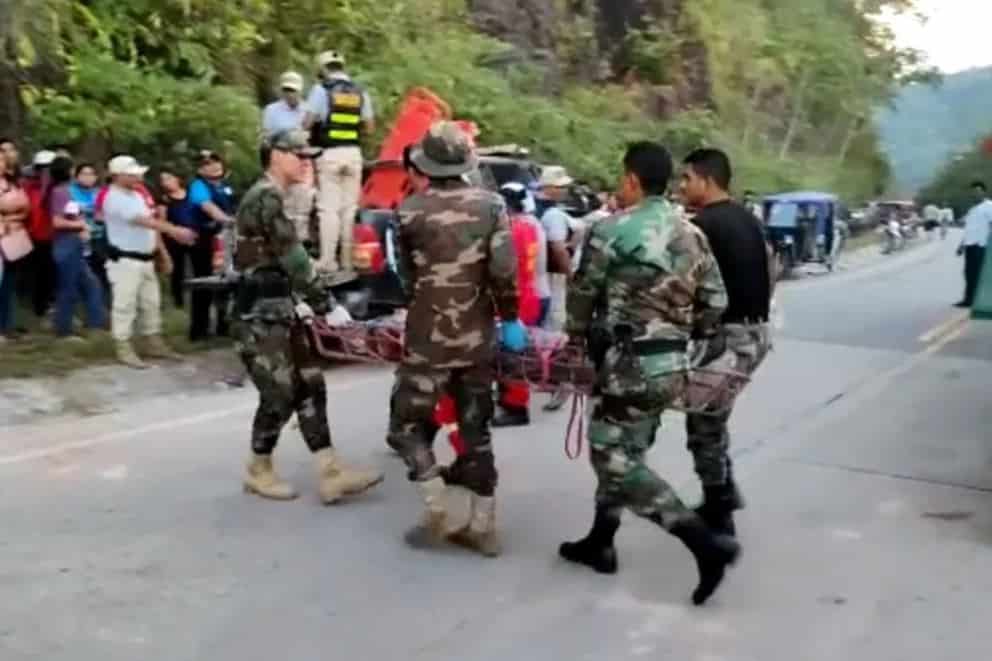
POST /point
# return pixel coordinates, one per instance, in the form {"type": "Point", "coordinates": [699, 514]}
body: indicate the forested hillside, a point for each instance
{"type": "Point", "coordinates": [928, 125]}
{"type": "Point", "coordinates": [788, 87]}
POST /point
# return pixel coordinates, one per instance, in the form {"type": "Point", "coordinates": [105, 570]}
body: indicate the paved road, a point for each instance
{"type": "Point", "coordinates": [864, 453]}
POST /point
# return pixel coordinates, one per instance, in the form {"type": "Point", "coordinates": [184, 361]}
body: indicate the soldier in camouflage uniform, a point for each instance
{"type": "Point", "coordinates": [655, 281]}
{"type": "Point", "coordinates": [457, 262]}
{"type": "Point", "coordinates": [280, 291]}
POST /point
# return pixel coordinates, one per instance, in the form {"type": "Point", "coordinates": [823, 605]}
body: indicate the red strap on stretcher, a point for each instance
{"type": "Point", "coordinates": [574, 442]}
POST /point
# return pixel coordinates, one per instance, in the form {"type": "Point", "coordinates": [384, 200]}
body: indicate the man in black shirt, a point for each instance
{"type": "Point", "coordinates": [738, 243]}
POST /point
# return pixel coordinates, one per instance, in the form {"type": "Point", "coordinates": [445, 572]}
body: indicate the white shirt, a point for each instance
{"type": "Point", "coordinates": [121, 209]}
{"type": "Point", "coordinates": [931, 213]}
{"type": "Point", "coordinates": [556, 223]}
{"type": "Point", "coordinates": [977, 224]}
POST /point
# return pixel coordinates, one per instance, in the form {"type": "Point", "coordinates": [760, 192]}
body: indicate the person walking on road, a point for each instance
{"type": "Point", "coordinates": [554, 184]}
{"type": "Point", "coordinates": [339, 114]}
{"type": "Point", "coordinates": [280, 292]}
{"type": "Point", "coordinates": [458, 266]}
{"type": "Point", "coordinates": [530, 246]}
{"type": "Point", "coordinates": [737, 239]}
{"type": "Point", "coordinates": [659, 283]}
{"type": "Point", "coordinates": [977, 224]}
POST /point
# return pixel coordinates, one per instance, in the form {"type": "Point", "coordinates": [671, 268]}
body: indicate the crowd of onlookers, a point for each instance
{"type": "Point", "coordinates": [82, 246]}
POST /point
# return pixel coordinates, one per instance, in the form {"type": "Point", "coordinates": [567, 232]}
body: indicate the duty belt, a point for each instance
{"type": "Point", "coordinates": [139, 256]}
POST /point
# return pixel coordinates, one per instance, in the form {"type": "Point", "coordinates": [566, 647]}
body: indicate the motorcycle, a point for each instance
{"type": "Point", "coordinates": [786, 254]}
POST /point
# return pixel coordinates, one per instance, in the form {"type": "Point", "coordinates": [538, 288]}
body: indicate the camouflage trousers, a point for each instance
{"type": "Point", "coordinates": [622, 430]}
{"type": "Point", "coordinates": [276, 357]}
{"type": "Point", "coordinates": [415, 395]}
{"type": "Point", "coordinates": [709, 438]}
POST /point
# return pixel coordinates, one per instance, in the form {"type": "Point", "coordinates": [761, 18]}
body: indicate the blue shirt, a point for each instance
{"type": "Point", "coordinates": [202, 191]}
{"type": "Point", "coordinates": [86, 199]}
{"type": "Point", "coordinates": [279, 116]}
{"type": "Point", "coordinates": [180, 212]}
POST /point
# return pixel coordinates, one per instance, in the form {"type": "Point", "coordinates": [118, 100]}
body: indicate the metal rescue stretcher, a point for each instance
{"type": "Point", "coordinates": [549, 363]}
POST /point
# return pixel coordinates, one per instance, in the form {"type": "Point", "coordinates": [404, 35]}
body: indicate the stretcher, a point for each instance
{"type": "Point", "coordinates": [549, 364]}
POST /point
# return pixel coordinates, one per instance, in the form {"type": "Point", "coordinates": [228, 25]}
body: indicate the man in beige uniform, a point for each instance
{"type": "Point", "coordinates": [339, 114]}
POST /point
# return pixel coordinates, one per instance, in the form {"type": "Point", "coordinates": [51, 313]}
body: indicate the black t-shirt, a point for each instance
{"type": "Point", "coordinates": [738, 243]}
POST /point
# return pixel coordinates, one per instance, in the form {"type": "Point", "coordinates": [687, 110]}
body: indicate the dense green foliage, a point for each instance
{"type": "Point", "coordinates": [952, 184]}
{"type": "Point", "coordinates": [927, 126]}
{"type": "Point", "coordinates": [791, 82]}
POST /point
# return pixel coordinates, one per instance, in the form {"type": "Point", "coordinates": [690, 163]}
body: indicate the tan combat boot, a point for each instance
{"type": "Point", "coordinates": [430, 532]}
{"type": "Point", "coordinates": [155, 347]}
{"type": "Point", "coordinates": [337, 480]}
{"type": "Point", "coordinates": [126, 356]}
{"type": "Point", "coordinates": [480, 533]}
{"type": "Point", "coordinates": [263, 480]}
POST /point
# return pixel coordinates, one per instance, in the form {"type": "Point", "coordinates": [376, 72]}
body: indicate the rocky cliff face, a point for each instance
{"type": "Point", "coordinates": [558, 30]}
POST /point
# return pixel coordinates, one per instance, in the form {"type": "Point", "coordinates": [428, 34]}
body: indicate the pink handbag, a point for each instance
{"type": "Point", "coordinates": [15, 245]}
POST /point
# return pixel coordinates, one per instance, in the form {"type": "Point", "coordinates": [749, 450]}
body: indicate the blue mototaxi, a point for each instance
{"type": "Point", "coordinates": [801, 228]}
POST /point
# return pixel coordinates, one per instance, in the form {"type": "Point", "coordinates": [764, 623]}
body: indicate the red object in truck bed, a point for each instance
{"type": "Point", "coordinates": [387, 185]}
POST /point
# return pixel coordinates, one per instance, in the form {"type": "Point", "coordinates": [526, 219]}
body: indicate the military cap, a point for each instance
{"type": "Point", "coordinates": [444, 152]}
{"type": "Point", "coordinates": [293, 140]}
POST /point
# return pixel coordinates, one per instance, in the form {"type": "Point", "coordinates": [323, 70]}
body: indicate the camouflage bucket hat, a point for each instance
{"type": "Point", "coordinates": [296, 141]}
{"type": "Point", "coordinates": [444, 152]}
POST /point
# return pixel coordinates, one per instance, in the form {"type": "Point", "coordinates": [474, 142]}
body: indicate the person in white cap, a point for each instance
{"type": "Point", "coordinates": [289, 112]}
{"type": "Point", "coordinates": [339, 114]}
{"type": "Point", "coordinates": [553, 186]}
{"type": "Point", "coordinates": [132, 238]}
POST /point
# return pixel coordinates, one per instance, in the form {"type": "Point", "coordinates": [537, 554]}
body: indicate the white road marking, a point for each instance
{"type": "Point", "coordinates": [118, 472]}
{"type": "Point", "coordinates": [846, 534]}
{"type": "Point", "coordinates": [171, 424]}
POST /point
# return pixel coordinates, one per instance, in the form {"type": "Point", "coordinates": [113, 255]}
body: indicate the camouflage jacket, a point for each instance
{"type": "Point", "coordinates": [266, 240]}
{"type": "Point", "coordinates": [456, 260]}
{"type": "Point", "coordinates": [653, 271]}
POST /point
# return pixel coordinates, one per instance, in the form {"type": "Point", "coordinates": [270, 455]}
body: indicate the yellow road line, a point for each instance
{"type": "Point", "coordinates": [957, 320]}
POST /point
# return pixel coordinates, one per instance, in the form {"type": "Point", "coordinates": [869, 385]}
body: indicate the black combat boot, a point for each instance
{"type": "Point", "coordinates": [719, 503]}
{"type": "Point", "coordinates": [596, 549]}
{"type": "Point", "coordinates": [713, 553]}
{"type": "Point", "coordinates": [511, 417]}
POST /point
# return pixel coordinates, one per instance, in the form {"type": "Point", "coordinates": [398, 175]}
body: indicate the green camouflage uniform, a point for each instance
{"type": "Point", "coordinates": [270, 341]}
{"type": "Point", "coordinates": [652, 279]}
{"type": "Point", "coordinates": [708, 437]}
{"type": "Point", "coordinates": [457, 261]}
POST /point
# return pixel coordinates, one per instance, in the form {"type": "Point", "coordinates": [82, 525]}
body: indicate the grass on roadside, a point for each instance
{"type": "Point", "coordinates": [39, 353]}
{"type": "Point", "coordinates": [863, 239]}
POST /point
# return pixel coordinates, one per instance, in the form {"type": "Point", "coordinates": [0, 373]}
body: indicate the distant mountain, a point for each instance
{"type": "Point", "coordinates": [927, 125]}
